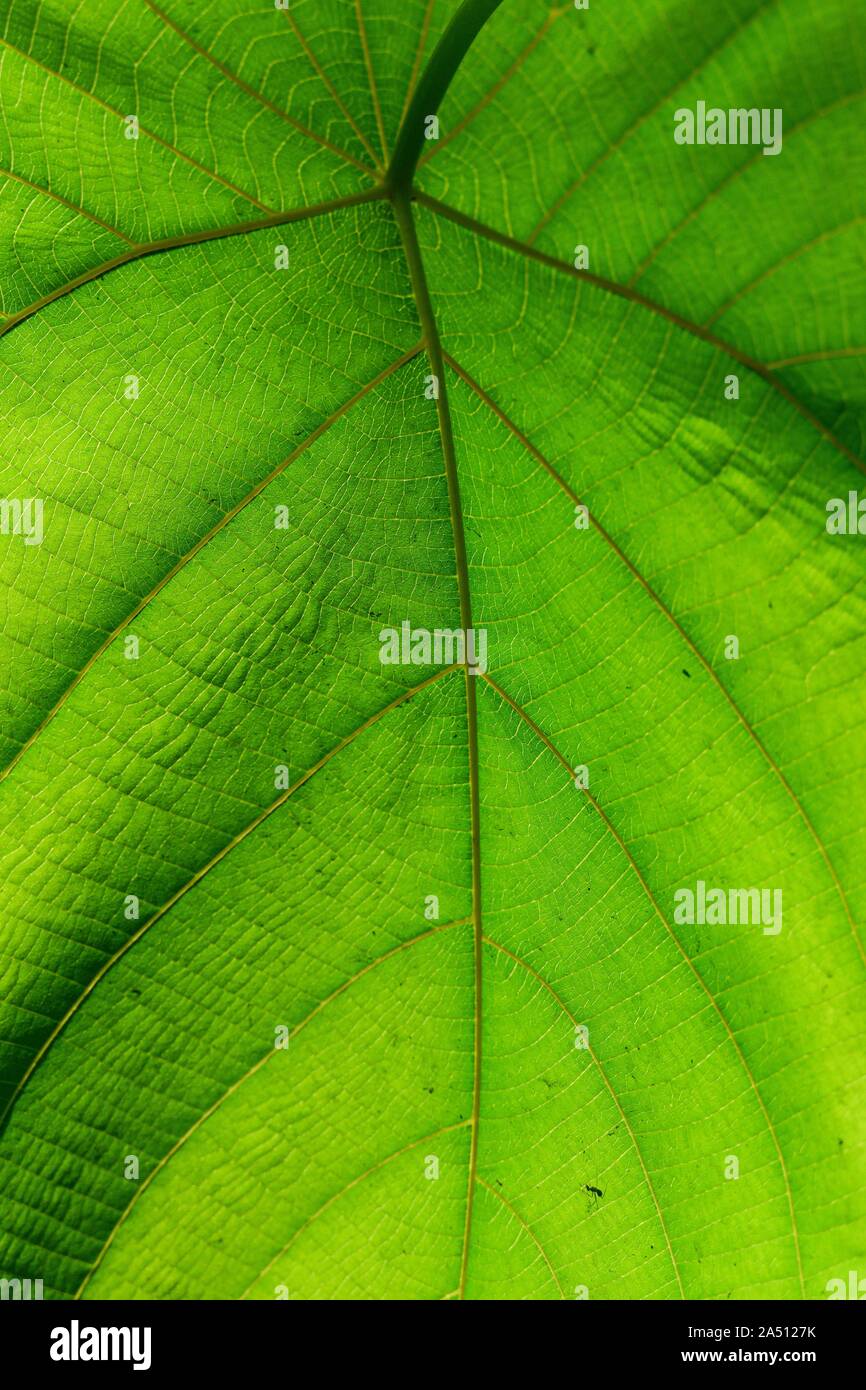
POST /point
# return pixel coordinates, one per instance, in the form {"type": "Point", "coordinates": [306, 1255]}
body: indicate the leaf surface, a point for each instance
{"type": "Point", "coordinates": [240, 829]}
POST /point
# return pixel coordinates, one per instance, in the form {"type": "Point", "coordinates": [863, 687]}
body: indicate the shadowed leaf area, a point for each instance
{"type": "Point", "coordinates": [421, 629]}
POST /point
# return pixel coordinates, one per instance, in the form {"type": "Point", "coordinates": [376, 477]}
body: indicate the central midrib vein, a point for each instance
{"type": "Point", "coordinates": [465, 25]}
{"type": "Point", "coordinates": [406, 223]}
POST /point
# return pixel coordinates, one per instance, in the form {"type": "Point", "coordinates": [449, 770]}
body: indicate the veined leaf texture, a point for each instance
{"type": "Point", "coordinates": [432, 693]}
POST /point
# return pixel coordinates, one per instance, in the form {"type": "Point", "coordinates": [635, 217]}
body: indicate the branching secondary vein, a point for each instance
{"type": "Point", "coordinates": [205, 869]}
{"type": "Point", "coordinates": [539, 732]}
{"type": "Point", "coordinates": [219, 526]}
{"type": "Point", "coordinates": [677, 625]}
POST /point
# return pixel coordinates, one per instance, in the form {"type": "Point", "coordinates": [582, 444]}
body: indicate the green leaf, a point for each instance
{"type": "Point", "coordinates": [513, 1069]}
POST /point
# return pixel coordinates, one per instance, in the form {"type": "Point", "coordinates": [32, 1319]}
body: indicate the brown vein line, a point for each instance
{"type": "Point", "coordinates": [645, 116]}
{"type": "Point", "coordinates": [152, 248]}
{"type": "Point", "coordinates": [525, 1224]}
{"type": "Point", "coordinates": [730, 178]}
{"type": "Point", "coordinates": [251, 91]}
{"type": "Point", "coordinates": [65, 202]}
{"type": "Point", "coordinates": [531, 253]}
{"type": "Point", "coordinates": [481, 105]}
{"type": "Point", "coordinates": [522, 713]}
{"type": "Point", "coordinates": [675, 623]}
{"type": "Point", "coordinates": [229, 516]}
{"type": "Point", "coordinates": [419, 53]}
{"type": "Point", "coordinates": [236, 1085]}
{"type": "Point", "coordinates": [371, 78]}
{"type": "Point", "coordinates": [405, 221]}
{"type": "Point", "coordinates": [777, 266]}
{"type": "Point", "coordinates": [825, 355]}
{"type": "Point", "coordinates": [206, 868]}
{"type": "Point", "coordinates": [323, 76]}
{"type": "Point", "coordinates": [151, 135]}
{"type": "Point", "coordinates": [337, 1196]}
{"type": "Point", "coordinates": [613, 1095]}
